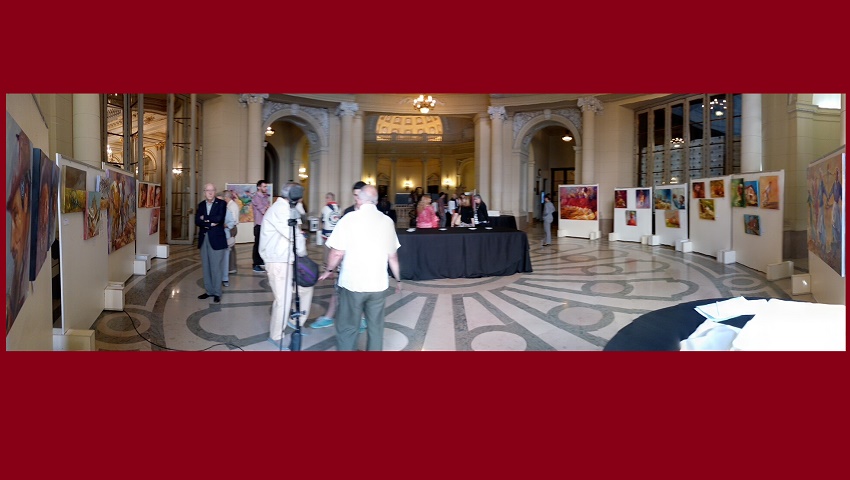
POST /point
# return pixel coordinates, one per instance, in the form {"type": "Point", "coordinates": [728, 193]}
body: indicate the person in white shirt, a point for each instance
{"type": "Point", "coordinates": [275, 248]}
{"type": "Point", "coordinates": [363, 242]}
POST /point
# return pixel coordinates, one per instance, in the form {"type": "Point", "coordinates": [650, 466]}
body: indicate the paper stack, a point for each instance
{"type": "Point", "coordinates": [731, 308]}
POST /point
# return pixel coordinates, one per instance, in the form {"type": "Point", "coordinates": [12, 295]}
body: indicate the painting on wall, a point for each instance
{"type": "Point", "coordinates": [52, 227]}
{"type": "Point", "coordinates": [143, 195]}
{"type": "Point", "coordinates": [643, 196]}
{"type": "Point", "coordinates": [824, 182]}
{"type": "Point", "coordinates": [769, 191]}
{"type": "Point", "coordinates": [663, 199]}
{"type": "Point", "coordinates": [677, 197]}
{"type": "Point", "coordinates": [578, 202]}
{"type": "Point", "coordinates": [717, 188]}
{"type": "Point", "coordinates": [42, 176]}
{"type": "Point", "coordinates": [243, 192]}
{"type": "Point", "coordinates": [737, 186]}
{"type": "Point", "coordinates": [157, 195]}
{"type": "Point", "coordinates": [752, 225]}
{"type": "Point", "coordinates": [631, 218]}
{"type": "Point", "coordinates": [121, 211]}
{"type": "Point", "coordinates": [620, 198]}
{"type": "Point", "coordinates": [698, 189]}
{"type": "Point", "coordinates": [151, 193]}
{"type": "Point", "coordinates": [671, 219]}
{"type": "Point", "coordinates": [706, 208]}
{"type": "Point", "coordinates": [73, 189]}
{"type": "Point", "coordinates": [91, 225]}
{"type": "Point", "coordinates": [751, 193]}
{"type": "Point", "coordinates": [18, 218]}
{"type": "Point", "coordinates": [102, 185]}
{"type": "Point", "coordinates": [154, 226]}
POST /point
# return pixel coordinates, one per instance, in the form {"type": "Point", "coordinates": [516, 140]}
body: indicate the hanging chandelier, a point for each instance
{"type": "Point", "coordinates": [424, 103]}
{"type": "Point", "coordinates": [567, 137]}
{"type": "Point", "coordinates": [269, 131]}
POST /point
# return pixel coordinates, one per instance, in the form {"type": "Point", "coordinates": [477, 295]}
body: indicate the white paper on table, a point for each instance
{"type": "Point", "coordinates": [731, 308]}
{"type": "Point", "coordinates": [800, 326]}
{"type": "Point", "coordinates": [710, 335]}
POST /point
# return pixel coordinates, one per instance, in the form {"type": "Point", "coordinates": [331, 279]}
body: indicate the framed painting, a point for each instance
{"type": "Point", "coordinates": [825, 185]}
{"type": "Point", "coordinates": [73, 189]}
{"type": "Point", "coordinates": [738, 197]}
{"type": "Point", "coordinates": [769, 191]}
{"type": "Point", "coordinates": [91, 225]}
{"type": "Point", "coordinates": [18, 218]}
{"type": "Point", "coordinates": [578, 202]}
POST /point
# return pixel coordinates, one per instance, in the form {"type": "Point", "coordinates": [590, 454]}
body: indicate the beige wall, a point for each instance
{"type": "Point", "coordinates": [225, 142]}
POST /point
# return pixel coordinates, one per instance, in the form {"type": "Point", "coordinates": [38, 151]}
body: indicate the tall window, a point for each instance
{"type": "Point", "coordinates": [691, 137]}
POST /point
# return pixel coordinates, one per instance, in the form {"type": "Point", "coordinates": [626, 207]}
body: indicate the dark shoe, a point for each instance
{"type": "Point", "coordinates": [216, 299]}
{"type": "Point", "coordinates": [203, 296]}
{"type": "Point", "coordinates": [232, 271]}
{"type": "Point", "coordinates": [258, 269]}
{"type": "Point", "coordinates": [225, 284]}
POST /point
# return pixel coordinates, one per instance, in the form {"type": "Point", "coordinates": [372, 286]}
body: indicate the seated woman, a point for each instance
{"type": "Point", "coordinates": [426, 217]}
{"type": "Point", "coordinates": [479, 208]}
{"type": "Point", "coordinates": [463, 217]}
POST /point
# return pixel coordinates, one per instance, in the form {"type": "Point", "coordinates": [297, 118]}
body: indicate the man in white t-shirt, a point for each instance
{"type": "Point", "coordinates": [364, 242]}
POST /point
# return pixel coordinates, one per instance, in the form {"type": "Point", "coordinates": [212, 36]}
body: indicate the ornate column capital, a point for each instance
{"type": "Point", "coordinates": [497, 113]}
{"type": "Point", "coordinates": [347, 109]}
{"type": "Point", "coordinates": [590, 104]}
{"type": "Point", "coordinates": [253, 98]}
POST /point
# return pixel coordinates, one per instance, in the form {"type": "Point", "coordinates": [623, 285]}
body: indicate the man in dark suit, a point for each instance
{"type": "Point", "coordinates": [212, 242]}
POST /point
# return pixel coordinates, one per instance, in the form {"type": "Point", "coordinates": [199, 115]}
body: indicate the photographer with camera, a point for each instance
{"type": "Point", "coordinates": [276, 250]}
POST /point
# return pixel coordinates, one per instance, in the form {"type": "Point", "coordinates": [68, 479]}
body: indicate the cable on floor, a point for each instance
{"type": "Point", "coordinates": [132, 322]}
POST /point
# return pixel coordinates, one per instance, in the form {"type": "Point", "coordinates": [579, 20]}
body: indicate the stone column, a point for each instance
{"type": "Point", "coordinates": [424, 183]}
{"type": "Point", "coordinates": [140, 139]}
{"type": "Point", "coordinates": [589, 107]}
{"type": "Point", "coordinates": [497, 116]}
{"type": "Point", "coordinates": [482, 153]}
{"type": "Point", "coordinates": [751, 133]}
{"type": "Point", "coordinates": [357, 147]}
{"type": "Point", "coordinates": [531, 180]}
{"type": "Point", "coordinates": [86, 125]}
{"type": "Point", "coordinates": [577, 173]}
{"type": "Point", "coordinates": [256, 137]}
{"type": "Point", "coordinates": [393, 181]}
{"type": "Point", "coordinates": [346, 111]}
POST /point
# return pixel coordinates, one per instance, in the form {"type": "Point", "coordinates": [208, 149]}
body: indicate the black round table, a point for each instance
{"type": "Point", "coordinates": [665, 328]}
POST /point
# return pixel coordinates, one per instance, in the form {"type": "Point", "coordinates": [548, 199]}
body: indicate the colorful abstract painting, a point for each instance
{"type": "Point", "coordinates": [578, 202]}
{"type": "Point", "coordinates": [73, 189]}
{"type": "Point", "coordinates": [752, 224]}
{"type": "Point", "coordinates": [738, 197]}
{"type": "Point", "coordinates": [42, 177]}
{"type": "Point", "coordinates": [243, 192]}
{"type": "Point", "coordinates": [121, 212]}
{"type": "Point", "coordinates": [825, 185]}
{"type": "Point", "coordinates": [102, 185]}
{"type": "Point", "coordinates": [663, 200]}
{"type": "Point", "coordinates": [769, 185]}
{"type": "Point", "coordinates": [751, 193]}
{"type": "Point", "coordinates": [91, 223]}
{"type": "Point", "coordinates": [706, 208]}
{"type": "Point", "coordinates": [18, 218]}
{"type": "Point", "coordinates": [717, 188]}
{"type": "Point", "coordinates": [154, 226]}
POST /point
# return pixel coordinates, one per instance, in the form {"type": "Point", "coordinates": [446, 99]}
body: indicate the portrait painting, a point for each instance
{"type": "Point", "coordinates": [154, 226]}
{"type": "Point", "coordinates": [738, 197]}
{"type": "Point", "coordinates": [663, 199]}
{"type": "Point", "coordinates": [698, 189]}
{"type": "Point", "coordinates": [769, 185]}
{"type": "Point", "coordinates": [157, 197]}
{"type": "Point", "coordinates": [620, 198]}
{"type": "Point", "coordinates": [73, 189]}
{"type": "Point", "coordinates": [717, 188]}
{"type": "Point", "coordinates": [151, 194]}
{"type": "Point", "coordinates": [18, 218]}
{"type": "Point", "coordinates": [751, 225]}
{"type": "Point", "coordinates": [143, 195]}
{"type": "Point", "coordinates": [706, 208]}
{"type": "Point", "coordinates": [671, 218]}
{"type": "Point", "coordinates": [631, 218]}
{"type": "Point", "coordinates": [42, 177]}
{"type": "Point", "coordinates": [677, 197]}
{"type": "Point", "coordinates": [825, 198]}
{"type": "Point", "coordinates": [91, 223]}
{"type": "Point", "coordinates": [642, 196]}
{"type": "Point", "coordinates": [751, 193]}
{"type": "Point", "coordinates": [578, 202]}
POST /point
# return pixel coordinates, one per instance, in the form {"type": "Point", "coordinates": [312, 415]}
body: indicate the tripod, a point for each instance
{"type": "Point", "coordinates": [296, 313]}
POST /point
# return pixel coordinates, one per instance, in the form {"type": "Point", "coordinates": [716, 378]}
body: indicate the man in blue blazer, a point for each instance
{"type": "Point", "coordinates": [209, 217]}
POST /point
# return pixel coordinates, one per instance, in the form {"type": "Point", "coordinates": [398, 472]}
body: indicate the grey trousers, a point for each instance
{"type": "Point", "coordinates": [547, 229]}
{"type": "Point", "coordinates": [211, 261]}
{"type": "Point", "coordinates": [347, 321]}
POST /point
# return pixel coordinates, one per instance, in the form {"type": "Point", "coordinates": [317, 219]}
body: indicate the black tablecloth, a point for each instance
{"type": "Point", "coordinates": [665, 328]}
{"type": "Point", "coordinates": [503, 221]}
{"type": "Point", "coordinates": [459, 252]}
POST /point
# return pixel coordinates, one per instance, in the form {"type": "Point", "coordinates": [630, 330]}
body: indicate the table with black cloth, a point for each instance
{"type": "Point", "coordinates": [460, 252]}
{"type": "Point", "coordinates": [665, 328]}
{"type": "Point", "coordinates": [503, 221]}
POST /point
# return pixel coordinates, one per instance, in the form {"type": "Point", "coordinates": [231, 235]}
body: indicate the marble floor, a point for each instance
{"type": "Point", "coordinates": [579, 295]}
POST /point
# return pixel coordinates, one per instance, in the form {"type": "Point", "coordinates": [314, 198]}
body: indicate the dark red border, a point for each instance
{"type": "Point", "coordinates": [429, 414]}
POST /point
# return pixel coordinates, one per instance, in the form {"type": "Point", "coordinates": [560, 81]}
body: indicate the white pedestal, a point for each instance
{"type": "Point", "coordinates": [687, 246]}
{"type": "Point", "coordinates": [114, 297]}
{"type": "Point", "coordinates": [776, 271]}
{"type": "Point", "coordinates": [801, 284]}
{"type": "Point", "coordinates": [141, 264]}
{"type": "Point", "coordinates": [73, 340]}
{"type": "Point", "coordinates": [644, 239]}
{"type": "Point", "coordinates": [679, 244]}
{"type": "Point", "coordinates": [162, 251]}
{"type": "Point", "coordinates": [653, 240]}
{"type": "Point", "coordinates": [726, 256]}
{"type": "Point", "coordinates": [594, 235]}
{"type": "Point", "coordinates": [613, 237]}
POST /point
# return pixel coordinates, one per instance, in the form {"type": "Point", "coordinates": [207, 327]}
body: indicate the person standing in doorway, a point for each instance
{"type": "Point", "coordinates": [209, 217]}
{"type": "Point", "coordinates": [364, 242]}
{"type": "Point", "coordinates": [259, 204]}
{"type": "Point", "coordinates": [548, 210]}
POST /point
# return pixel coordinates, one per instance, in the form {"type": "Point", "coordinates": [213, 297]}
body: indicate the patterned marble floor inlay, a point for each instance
{"type": "Point", "coordinates": [579, 295]}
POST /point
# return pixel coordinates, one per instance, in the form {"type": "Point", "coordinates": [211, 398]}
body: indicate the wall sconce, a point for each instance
{"type": "Point", "coordinates": [448, 182]}
{"type": "Point", "coordinates": [302, 173]}
{"type": "Point", "coordinates": [269, 131]}
{"type": "Point", "coordinates": [369, 181]}
{"type": "Point", "coordinates": [408, 184]}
